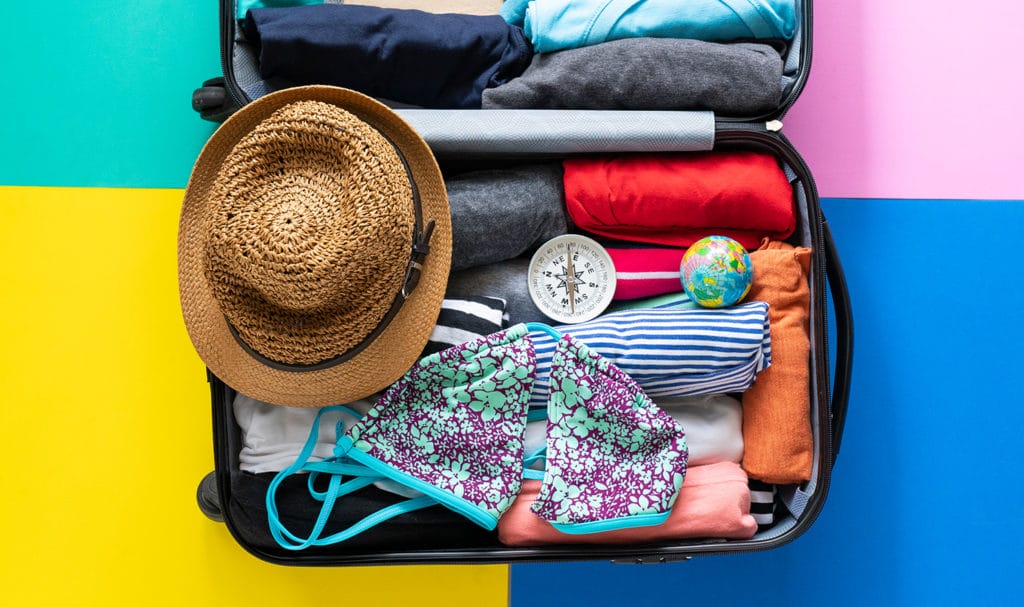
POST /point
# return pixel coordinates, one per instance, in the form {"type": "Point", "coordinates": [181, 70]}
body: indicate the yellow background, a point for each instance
{"type": "Point", "coordinates": [106, 427]}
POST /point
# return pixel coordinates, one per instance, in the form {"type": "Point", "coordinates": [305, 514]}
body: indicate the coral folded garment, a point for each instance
{"type": "Point", "coordinates": [713, 503]}
{"type": "Point", "coordinates": [676, 199]}
{"type": "Point", "coordinates": [777, 434]}
{"type": "Point", "coordinates": [406, 56]}
{"type": "Point", "coordinates": [646, 272]}
{"type": "Point", "coordinates": [671, 352]}
{"type": "Point", "coordinates": [554, 25]}
{"type": "Point", "coordinates": [739, 79]}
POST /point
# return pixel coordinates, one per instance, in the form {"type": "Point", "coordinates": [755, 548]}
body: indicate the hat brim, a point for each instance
{"type": "Point", "coordinates": [395, 350]}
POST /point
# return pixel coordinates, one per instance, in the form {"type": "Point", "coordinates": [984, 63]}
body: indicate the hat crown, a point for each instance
{"type": "Point", "coordinates": [311, 223]}
{"type": "Point", "coordinates": [290, 313]}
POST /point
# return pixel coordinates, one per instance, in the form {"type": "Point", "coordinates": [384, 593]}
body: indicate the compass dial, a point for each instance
{"type": "Point", "coordinates": [571, 278]}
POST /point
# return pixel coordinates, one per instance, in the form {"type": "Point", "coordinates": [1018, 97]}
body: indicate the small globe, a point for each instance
{"type": "Point", "coordinates": [716, 272]}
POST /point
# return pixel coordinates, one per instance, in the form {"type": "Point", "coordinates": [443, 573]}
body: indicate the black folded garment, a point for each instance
{"type": "Point", "coordinates": [508, 280]}
{"type": "Point", "coordinates": [431, 528]}
{"type": "Point", "coordinates": [736, 79]}
{"type": "Point", "coordinates": [407, 56]}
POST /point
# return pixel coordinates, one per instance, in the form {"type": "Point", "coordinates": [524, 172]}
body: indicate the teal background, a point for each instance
{"type": "Point", "coordinates": [98, 93]}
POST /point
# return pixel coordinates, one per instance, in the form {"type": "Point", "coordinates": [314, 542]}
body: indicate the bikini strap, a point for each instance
{"type": "Point", "coordinates": [338, 467]}
{"type": "Point", "coordinates": [539, 326]}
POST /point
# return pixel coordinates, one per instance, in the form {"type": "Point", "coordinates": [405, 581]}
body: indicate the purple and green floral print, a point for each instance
{"type": "Point", "coordinates": [454, 424]}
{"type": "Point", "coordinates": [614, 459]}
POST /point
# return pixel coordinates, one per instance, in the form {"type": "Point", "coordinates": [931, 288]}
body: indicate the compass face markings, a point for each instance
{"type": "Point", "coordinates": [571, 278]}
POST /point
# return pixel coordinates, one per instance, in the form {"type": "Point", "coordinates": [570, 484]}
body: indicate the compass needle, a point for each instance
{"type": "Point", "coordinates": [570, 277]}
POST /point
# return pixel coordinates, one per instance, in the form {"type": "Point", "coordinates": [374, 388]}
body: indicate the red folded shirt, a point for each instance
{"type": "Point", "coordinates": [677, 199]}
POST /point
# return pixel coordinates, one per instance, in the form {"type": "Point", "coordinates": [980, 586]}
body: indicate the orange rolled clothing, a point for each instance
{"type": "Point", "coordinates": [778, 446]}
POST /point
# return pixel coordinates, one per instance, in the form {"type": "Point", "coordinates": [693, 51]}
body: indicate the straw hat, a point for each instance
{"type": "Point", "coordinates": [314, 248]}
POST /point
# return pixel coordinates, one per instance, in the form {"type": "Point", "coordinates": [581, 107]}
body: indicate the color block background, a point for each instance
{"type": "Point", "coordinates": [908, 124]}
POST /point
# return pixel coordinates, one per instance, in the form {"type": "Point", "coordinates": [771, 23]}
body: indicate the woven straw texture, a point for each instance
{"type": "Point", "coordinates": [297, 227]}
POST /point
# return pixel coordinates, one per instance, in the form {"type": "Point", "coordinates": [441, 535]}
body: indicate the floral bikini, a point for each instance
{"type": "Point", "coordinates": [452, 429]}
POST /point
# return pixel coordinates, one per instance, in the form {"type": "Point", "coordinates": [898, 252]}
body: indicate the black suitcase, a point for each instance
{"type": "Point", "coordinates": [484, 137]}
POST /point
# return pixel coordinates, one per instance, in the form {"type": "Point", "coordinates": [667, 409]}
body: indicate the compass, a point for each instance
{"type": "Point", "coordinates": [571, 278]}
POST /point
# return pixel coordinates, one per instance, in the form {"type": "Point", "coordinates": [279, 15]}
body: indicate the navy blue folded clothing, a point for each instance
{"type": "Point", "coordinates": [407, 56]}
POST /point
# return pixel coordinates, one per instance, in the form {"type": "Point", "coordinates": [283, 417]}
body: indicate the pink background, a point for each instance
{"type": "Point", "coordinates": [914, 99]}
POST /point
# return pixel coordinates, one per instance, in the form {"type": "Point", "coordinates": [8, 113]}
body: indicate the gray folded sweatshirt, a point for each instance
{"type": "Point", "coordinates": [498, 214]}
{"type": "Point", "coordinates": [735, 79]}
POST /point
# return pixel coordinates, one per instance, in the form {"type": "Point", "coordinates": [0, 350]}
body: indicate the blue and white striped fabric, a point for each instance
{"type": "Point", "coordinates": [671, 351]}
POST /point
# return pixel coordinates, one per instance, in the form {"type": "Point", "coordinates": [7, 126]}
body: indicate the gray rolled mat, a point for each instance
{"type": "Point", "coordinates": [506, 280]}
{"type": "Point", "coordinates": [498, 214]}
{"type": "Point", "coordinates": [502, 132]}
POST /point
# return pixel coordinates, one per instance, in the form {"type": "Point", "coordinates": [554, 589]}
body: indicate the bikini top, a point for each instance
{"type": "Point", "coordinates": [452, 429]}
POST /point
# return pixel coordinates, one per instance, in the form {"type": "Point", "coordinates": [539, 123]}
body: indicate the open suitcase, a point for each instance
{"type": "Point", "coordinates": [488, 138]}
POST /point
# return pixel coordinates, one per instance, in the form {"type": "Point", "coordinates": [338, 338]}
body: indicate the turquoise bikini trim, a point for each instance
{"type": "Point", "coordinates": [626, 522]}
{"type": "Point", "coordinates": [363, 477]}
{"type": "Point", "coordinates": [478, 515]}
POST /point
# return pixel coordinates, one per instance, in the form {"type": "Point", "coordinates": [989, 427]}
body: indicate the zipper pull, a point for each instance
{"type": "Point", "coordinates": [773, 126]}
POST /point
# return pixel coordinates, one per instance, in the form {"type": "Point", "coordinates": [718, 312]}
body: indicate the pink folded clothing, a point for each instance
{"type": "Point", "coordinates": [714, 503]}
{"type": "Point", "coordinates": [677, 199]}
{"type": "Point", "coordinates": [646, 272]}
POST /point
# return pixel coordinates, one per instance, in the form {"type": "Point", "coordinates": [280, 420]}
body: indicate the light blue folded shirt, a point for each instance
{"type": "Point", "coordinates": [554, 25]}
{"type": "Point", "coordinates": [242, 6]}
{"type": "Point", "coordinates": [513, 11]}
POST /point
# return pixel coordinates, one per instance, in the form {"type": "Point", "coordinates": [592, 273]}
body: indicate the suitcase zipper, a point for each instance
{"type": "Point", "coordinates": [227, 40]}
{"type": "Point", "coordinates": [769, 134]}
{"type": "Point", "coordinates": [805, 59]}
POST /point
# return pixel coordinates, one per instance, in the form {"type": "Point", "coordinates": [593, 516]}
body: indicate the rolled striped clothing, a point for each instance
{"type": "Point", "coordinates": [465, 319]}
{"type": "Point", "coordinates": [762, 503]}
{"type": "Point", "coordinates": [672, 352]}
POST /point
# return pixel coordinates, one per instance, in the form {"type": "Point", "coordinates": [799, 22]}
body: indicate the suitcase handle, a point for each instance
{"type": "Point", "coordinates": [844, 338]}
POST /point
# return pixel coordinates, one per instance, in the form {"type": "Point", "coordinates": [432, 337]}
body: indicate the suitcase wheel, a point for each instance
{"type": "Point", "coordinates": [208, 98]}
{"type": "Point", "coordinates": [212, 102]}
{"type": "Point", "coordinates": [209, 502]}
